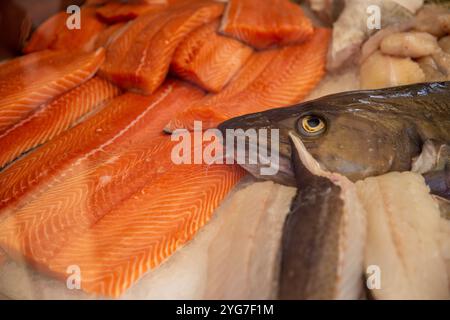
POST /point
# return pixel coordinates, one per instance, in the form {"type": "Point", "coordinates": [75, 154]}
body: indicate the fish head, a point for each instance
{"type": "Point", "coordinates": [345, 135]}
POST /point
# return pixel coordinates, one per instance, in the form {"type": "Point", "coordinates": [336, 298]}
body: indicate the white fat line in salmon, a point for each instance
{"type": "Point", "coordinates": [243, 147]}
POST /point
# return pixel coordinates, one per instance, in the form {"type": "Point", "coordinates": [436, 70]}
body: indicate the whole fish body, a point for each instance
{"type": "Point", "coordinates": [360, 133]}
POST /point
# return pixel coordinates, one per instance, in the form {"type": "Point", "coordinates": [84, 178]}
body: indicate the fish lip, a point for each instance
{"type": "Point", "coordinates": [284, 175]}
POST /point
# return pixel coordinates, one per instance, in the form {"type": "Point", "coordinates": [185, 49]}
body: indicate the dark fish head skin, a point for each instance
{"type": "Point", "coordinates": [358, 134]}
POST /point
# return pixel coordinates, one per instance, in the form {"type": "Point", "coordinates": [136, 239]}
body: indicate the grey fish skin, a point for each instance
{"type": "Point", "coordinates": [322, 250]}
{"type": "Point", "coordinates": [367, 133]}
{"type": "Point", "coordinates": [310, 250]}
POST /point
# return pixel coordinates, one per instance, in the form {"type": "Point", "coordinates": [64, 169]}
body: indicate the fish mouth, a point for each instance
{"type": "Point", "coordinates": [278, 169]}
{"type": "Point", "coordinates": [254, 154]}
{"type": "Point", "coordinates": [284, 174]}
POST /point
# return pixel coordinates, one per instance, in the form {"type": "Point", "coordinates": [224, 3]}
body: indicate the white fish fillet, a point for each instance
{"type": "Point", "coordinates": [404, 238]}
{"type": "Point", "coordinates": [444, 242]}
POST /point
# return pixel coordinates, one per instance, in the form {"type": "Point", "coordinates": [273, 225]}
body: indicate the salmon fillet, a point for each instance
{"type": "Point", "coordinates": [285, 77]}
{"type": "Point", "coordinates": [54, 118]}
{"type": "Point", "coordinates": [208, 59]}
{"type": "Point", "coordinates": [50, 222]}
{"type": "Point", "coordinates": [241, 83]}
{"type": "Point", "coordinates": [31, 80]}
{"type": "Point", "coordinates": [139, 58]}
{"type": "Point", "coordinates": [3, 257]}
{"type": "Point", "coordinates": [90, 143]}
{"type": "Point", "coordinates": [268, 23]}
{"type": "Point", "coordinates": [104, 37]}
{"type": "Point", "coordinates": [146, 229]}
{"type": "Point", "coordinates": [54, 33]}
{"type": "Point", "coordinates": [114, 12]}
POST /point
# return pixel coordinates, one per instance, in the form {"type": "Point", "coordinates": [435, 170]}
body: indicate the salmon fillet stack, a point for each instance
{"type": "Point", "coordinates": [87, 168]}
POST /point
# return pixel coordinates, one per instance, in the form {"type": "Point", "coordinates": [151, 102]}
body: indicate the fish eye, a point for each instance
{"type": "Point", "coordinates": [311, 125]}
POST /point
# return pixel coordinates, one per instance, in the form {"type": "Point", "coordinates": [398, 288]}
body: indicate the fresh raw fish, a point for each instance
{"type": "Point", "coordinates": [218, 263]}
{"type": "Point", "coordinates": [146, 229]}
{"type": "Point", "coordinates": [351, 28]}
{"type": "Point", "coordinates": [54, 33]}
{"type": "Point", "coordinates": [239, 268]}
{"type": "Point", "coordinates": [3, 257]}
{"type": "Point", "coordinates": [358, 144]}
{"type": "Point", "coordinates": [105, 37]}
{"type": "Point", "coordinates": [346, 79]}
{"type": "Point", "coordinates": [403, 238]}
{"type": "Point", "coordinates": [208, 59]}
{"type": "Point", "coordinates": [270, 79]}
{"type": "Point", "coordinates": [53, 118]}
{"type": "Point", "coordinates": [80, 195]}
{"type": "Point", "coordinates": [382, 71]}
{"type": "Point", "coordinates": [322, 254]}
{"type": "Point", "coordinates": [139, 58]}
{"type": "Point", "coordinates": [31, 80]}
{"type": "Point", "coordinates": [114, 12]}
{"type": "Point", "coordinates": [325, 10]}
{"type": "Point", "coordinates": [268, 23]}
{"type": "Point", "coordinates": [96, 140]}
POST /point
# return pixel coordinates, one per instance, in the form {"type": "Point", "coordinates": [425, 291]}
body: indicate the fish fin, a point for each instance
{"type": "Point", "coordinates": [434, 164]}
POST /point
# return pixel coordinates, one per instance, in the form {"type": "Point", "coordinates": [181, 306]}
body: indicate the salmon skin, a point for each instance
{"type": "Point", "coordinates": [54, 118]}
{"type": "Point", "coordinates": [114, 12]}
{"type": "Point", "coordinates": [265, 24]}
{"type": "Point", "coordinates": [29, 81]}
{"type": "Point", "coordinates": [208, 59]}
{"type": "Point", "coordinates": [54, 33]}
{"type": "Point", "coordinates": [139, 58]}
{"type": "Point", "coordinates": [270, 79]}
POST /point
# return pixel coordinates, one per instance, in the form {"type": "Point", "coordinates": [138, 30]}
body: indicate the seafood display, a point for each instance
{"type": "Point", "coordinates": [238, 149]}
{"type": "Point", "coordinates": [410, 52]}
